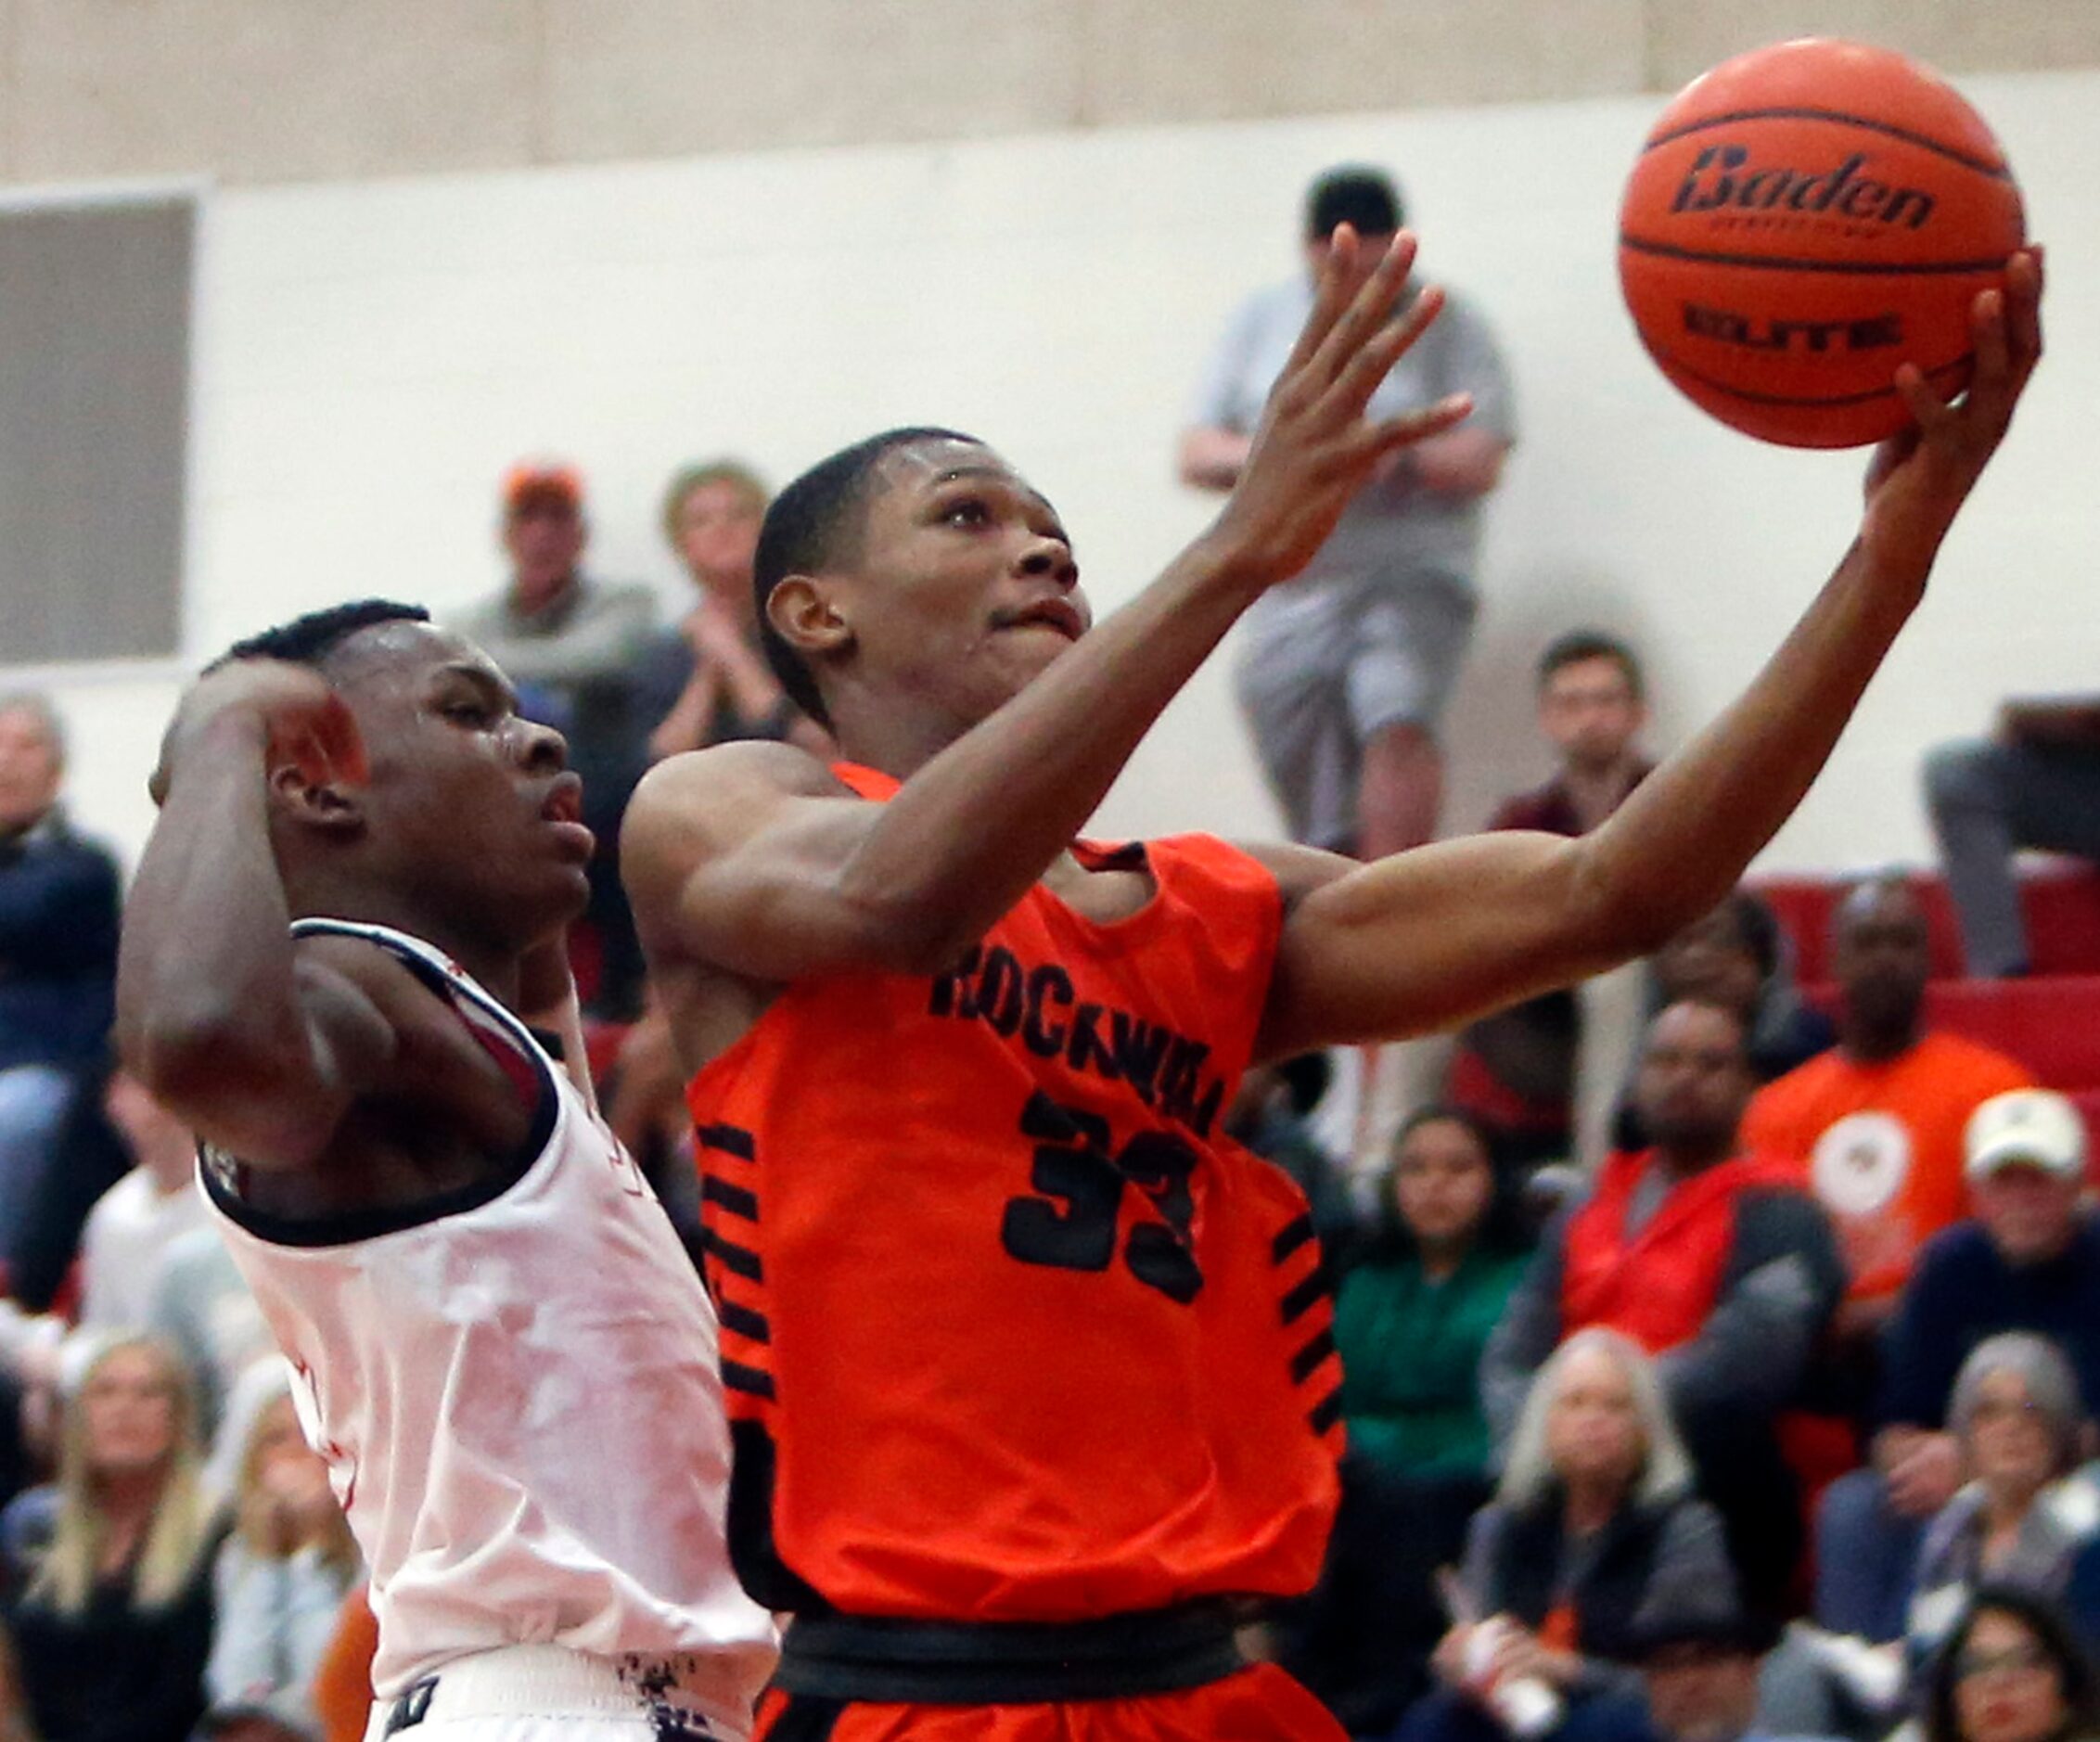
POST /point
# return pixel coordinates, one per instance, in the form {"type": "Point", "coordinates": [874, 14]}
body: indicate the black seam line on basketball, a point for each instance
{"type": "Point", "coordinates": [736, 1199]}
{"type": "Point", "coordinates": [744, 1321]}
{"type": "Point", "coordinates": [752, 1381]}
{"type": "Point", "coordinates": [1302, 1299]}
{"type": "Point", "coordinates": [1745, 394]}
{"type": "Point", "coordinates": [730, 1139]}
{"type": "Point", "coordinates": [740, 1259]}
{"type": "Point", "coordinates": [1997, 172]}
{"type": "Point", "coordinates": [1295, 1234]}
{"type": "Point", "coordinates": [1308, 1359]}
{"type": "Point", "coordinates": [1326, 1412]}
{"type": "Point", "coordinates": [1866, 269]}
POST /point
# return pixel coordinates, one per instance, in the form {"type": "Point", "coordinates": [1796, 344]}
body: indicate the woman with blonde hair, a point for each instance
{"type": "Point", "coordinates": [282, 1575]}
{"type": "Point", "coordinates": [113, 1618]}
{"type": "Point", "coordinates": [1595, 1508]}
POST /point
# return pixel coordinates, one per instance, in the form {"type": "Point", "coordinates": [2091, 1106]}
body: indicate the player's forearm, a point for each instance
{"type": "Point", "coordinates": [205, 973]}
{"type": "Point", "coordinates": [1684, 836]}
{"type": "Point", "coordinates": [972, 830]}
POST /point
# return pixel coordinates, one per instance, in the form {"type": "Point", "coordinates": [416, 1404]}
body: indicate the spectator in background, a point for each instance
{"type": "Point", "coordinates": [570, 644]}
{"type": "Point", "coordinates": [1699, 1655]}
{"type": "Point", "coordinates": [202, 1306]}
{"type": "Point", "coordinates": [112, 1610]}
{"type": "Point", "coordinates": [134, 1222]}
{"type": "Point", "coordinates": [1715, 1262]}
{"type": "Point", "coordinates": [2028, 1261]}
{"type": "Point", "coordinates": [1271, 1114]}
{"type": "Point", "coordinates": [706, 680]}
{"type": "Point", "coordinates": [2012, 1672]}
{"type": "Point", "coordinates": [1411, 1318]}
{"type": "Point", "coordinates": [1516, 1069]}
{"type": "Point", "coordinates": [2037, 783]}
{"type": "Point", "coordinates": [2025, 1517]}
{"type": "Point", "coordinates": [58, 903]}
{"type": "Point", "coordinates": [1345, 671]}
{"type": "Point", "coordinates": [281, 1580]}
{"type": "Point", "coordinates": [1594, 1512]}
{"type": "Point", "coordinates": [1877, 1122]}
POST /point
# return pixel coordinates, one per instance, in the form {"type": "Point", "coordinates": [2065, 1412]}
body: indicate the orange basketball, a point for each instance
{"type": "Point", "coordinates": [1804, 218]}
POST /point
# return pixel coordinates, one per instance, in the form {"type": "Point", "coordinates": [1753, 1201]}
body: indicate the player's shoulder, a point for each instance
{"type": "Point", "coordinates": [707, 800]}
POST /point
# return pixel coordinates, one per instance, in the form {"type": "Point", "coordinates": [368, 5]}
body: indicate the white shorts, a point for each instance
{"type": "Point", "coordinates": [550, 1694]}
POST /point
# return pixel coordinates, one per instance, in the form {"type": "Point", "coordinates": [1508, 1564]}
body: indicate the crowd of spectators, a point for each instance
{"type": "Point", "coordinates": [1773, 1419]}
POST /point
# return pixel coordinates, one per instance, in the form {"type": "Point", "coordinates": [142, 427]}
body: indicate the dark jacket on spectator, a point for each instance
{"type": "Point", "coordinates": [58, 905]}
{"type": "Point", "coordinates": [1963, 1291]}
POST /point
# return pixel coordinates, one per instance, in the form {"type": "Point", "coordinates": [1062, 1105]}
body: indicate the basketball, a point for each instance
{"type": "Point", "coordinates": [1801, 220]}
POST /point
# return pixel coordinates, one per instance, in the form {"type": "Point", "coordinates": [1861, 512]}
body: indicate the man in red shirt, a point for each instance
{"type": "Point", "coordinates": [958, 1071]}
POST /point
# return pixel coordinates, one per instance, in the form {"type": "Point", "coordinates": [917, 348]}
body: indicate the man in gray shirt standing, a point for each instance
{"type": "Point", "coordinates": [1345, 672]}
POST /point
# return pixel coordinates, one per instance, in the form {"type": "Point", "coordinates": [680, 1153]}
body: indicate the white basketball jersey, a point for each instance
{"type": "Point", "coordinates": [516, 1393]}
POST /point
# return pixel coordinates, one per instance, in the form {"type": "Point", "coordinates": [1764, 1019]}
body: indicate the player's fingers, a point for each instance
{"type": "Point", "coordinates": [2023, 303]}
{"type": "Point", "coordinates": [1418, 426]}
{"type": "Point", "coordinates": [1987, 334]}
{"type": "Point", "coordinates": [1360, 379]}
{"type": "Point", "coordinates": [1932, 413]}
{"type": "Point", "coordinates": [1366, 314]}
{"type": "Point", "coordinates": [1328, 299]}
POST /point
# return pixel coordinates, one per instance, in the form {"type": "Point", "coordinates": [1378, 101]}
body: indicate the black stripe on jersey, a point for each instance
{"type": "Point", "coordinates": [730, 1139]}
{"type": "Point", "coordinates": [731, 1256]}
{"type": "Point", "coordinates": [1306, 1296]}
{"type": "Point", "coordinates": [744, 1321]}
{"type": "Point", "coordinates": [736, 1199]}
{"type": "Point", "coordinates": [1308, 1359]}
{"type": "Point", "coordinates": [752, 1381]}
{"type": "Point", "coordinates": [1294, 1236]}
{"type": "Point", "coordinates": [1326, 1412]}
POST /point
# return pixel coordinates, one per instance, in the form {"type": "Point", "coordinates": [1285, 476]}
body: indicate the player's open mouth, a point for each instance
{"type": "Point", "coordinates": [1058, 614]}
{"type": "Point", "coordinates": [564, 802]}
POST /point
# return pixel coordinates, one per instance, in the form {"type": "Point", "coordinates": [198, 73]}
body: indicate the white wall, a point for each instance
{"type": "Point", "coordinates": [371, 355]}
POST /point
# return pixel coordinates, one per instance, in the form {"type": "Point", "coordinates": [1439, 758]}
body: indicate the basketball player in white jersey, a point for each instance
{"type": "Point", "coordinates": [365, 860]}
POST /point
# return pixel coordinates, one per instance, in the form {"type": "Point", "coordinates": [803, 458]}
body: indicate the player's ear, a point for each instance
{"type": "Point", "coordinates": [331, 806]}
{"type": "Point", "coordinates": [802, 609]}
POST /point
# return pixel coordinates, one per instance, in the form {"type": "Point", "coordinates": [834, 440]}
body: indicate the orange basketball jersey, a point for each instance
{"type": "Point", "coordinates": [1009, 1330]}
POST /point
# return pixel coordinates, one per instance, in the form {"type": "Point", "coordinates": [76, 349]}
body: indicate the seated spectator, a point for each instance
{"type": "Point", "coordinates": [707, 681]}
{"type": "Point", "coordinates": [1272, 1115]}
{"type": "Point", "coordinates": [112, 1615]}
{"type": "Point", "coordinates": [1715, 1262]}
{"type": "Point", "coordinates": [2036, 785]}
{"type": "Point", "coordinates": [1699, 1652]}
{"type": "Point", "coordinates": [201, 1306]}
{"type": "Point", "coordinates": [281, 1580]}
{"type": "Point", "coordinates": [59, 899]}
{"type": "Point", "coordinates": [133, 1225]}
{"type": "Point", "coordinates": [1593, 1513]}
{"type": "Point", "coordinates": [1877, 1122]}
{"type": "Point", "coordinates": [2029, 1261]}
{"type": "Point", "coordinates": [2011, 1671]}
{"type": "Point", "coordinates": [1412, 1316]}
{"type": "Point", "coordinates": [2026, 1517]}
{"type": "Point", "coordinates": [569, 642]}
{"type": "Point", "coordinates": [1516, 1069]}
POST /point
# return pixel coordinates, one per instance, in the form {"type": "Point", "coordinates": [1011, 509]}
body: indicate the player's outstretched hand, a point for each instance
{"type": "Point", "coordinates": [302, 719]}
{"type": "Point", "coordinates": [1314, 445]}
{"type": "Point", "coordinates": [1918, 481]}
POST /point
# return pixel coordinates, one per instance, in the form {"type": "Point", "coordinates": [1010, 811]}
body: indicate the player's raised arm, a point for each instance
{"type": "Point", "coordinates": [1430, 938]}
{"type": "Point", "coordinates": [748, 859]}
{"type": "Point", "coordinates": [258, 1044]}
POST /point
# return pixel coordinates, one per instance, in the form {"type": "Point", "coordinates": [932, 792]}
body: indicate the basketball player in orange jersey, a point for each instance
{"type": "Point", "coordinates": [363, 860]}
{"type": "Point", "coordinates": [1026, 1370]}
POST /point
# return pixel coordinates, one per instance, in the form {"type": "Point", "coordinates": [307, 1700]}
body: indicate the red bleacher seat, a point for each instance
{"type": "Point", "coordinates": [2051, 1025]}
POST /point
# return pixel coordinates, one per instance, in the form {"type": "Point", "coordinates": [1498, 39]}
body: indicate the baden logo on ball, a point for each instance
{"type": "Point", "coordinates": [1803, 220]}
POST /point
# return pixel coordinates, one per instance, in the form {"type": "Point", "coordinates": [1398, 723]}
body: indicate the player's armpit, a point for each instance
{"type": "Point", "coordinates": [745, 859]}
{"type": "Point", "coordinates": [1432, 938]}
{"type": "Point", "coordinates": [275, 1099]}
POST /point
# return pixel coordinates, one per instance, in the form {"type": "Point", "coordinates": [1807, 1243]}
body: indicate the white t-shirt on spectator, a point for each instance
{"type": "Point", "coordinates": [132, 1224]}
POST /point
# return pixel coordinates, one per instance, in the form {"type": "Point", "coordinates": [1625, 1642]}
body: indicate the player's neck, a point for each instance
{"type": "Point", "coordinates": [896, 741]}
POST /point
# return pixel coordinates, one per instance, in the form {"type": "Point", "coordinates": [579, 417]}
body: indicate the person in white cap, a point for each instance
{"type": "Point", "coordinates": [2027, 1258]}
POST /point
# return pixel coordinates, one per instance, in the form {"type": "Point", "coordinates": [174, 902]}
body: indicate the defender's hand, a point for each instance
{"type": "Point", "coordinates": [300, 718]}
{"type": "Point", "coordinates": [1314, 446]}
{"type": "Point", "coordinates": [1917, 481]}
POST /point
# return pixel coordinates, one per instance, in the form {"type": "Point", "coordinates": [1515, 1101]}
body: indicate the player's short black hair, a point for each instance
{"type": "Point", "coordinates": [309, 639]}
{"type": "Point", "coordinates": [1354, 193]}
{"type": "Point", "coordinates": [1578, 646]}
{"type": "Point", "coordinates": [811, 525]}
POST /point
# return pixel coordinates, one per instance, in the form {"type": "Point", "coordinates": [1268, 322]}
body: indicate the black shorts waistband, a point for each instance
{"type": "Point", "coordinates": [987, 1663]}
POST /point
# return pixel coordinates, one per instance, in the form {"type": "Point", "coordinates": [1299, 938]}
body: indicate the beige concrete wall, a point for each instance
{"type": "Point", "coordinates": [289, 90]}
